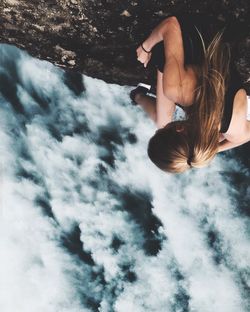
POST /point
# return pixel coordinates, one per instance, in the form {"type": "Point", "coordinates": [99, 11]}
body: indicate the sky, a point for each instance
{"type": "Point", "coordinates": [88, 223]}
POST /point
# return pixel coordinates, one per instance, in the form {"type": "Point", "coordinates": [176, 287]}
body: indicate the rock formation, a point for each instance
{"type": "Point", "coordinates": [99, 37]}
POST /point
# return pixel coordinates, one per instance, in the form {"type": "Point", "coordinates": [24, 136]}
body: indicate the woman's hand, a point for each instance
{"type": "Point", "coordinates": [143, 56]}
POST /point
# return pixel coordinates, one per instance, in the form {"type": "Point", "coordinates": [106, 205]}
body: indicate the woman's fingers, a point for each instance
{"type": "Point", "coordinates": [140, 54]}
{"type": "Point", "coordinates": [143, 56]}
{"type": "Point", "coordinates": [149, 58]}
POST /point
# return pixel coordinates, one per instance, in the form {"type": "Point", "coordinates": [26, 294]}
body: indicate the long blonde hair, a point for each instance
{"type": "Point", "coordinates": [197, 145]}
{"type": "Point", "coordinates": [210, 95]}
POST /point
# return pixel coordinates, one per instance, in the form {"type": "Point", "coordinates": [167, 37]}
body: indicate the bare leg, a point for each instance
{"type": "Point", "coordinates": [148, 103]}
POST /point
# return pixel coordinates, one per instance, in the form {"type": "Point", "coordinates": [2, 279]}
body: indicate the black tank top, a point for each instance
{"type": "Point", "coordinates": [234, 85]}
{"type": "Point", "coordinates": [192, 28]}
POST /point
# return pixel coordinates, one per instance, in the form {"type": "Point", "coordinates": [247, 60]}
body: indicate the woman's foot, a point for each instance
{"type": "Point", "coordinates": [141, 89]}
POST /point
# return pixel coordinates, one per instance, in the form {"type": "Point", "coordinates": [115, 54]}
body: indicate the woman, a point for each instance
{"type": "Point", "coordinates": [192, 71]}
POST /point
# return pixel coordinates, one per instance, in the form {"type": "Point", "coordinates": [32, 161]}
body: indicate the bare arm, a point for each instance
{"type": "Point", "coordinates": [158, 33]}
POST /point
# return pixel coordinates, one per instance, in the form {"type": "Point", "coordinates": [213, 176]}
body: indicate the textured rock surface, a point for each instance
{"type": "Point", "coordinates": [99, 38]}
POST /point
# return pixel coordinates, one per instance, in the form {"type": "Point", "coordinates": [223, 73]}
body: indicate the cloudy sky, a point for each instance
{"type": "Point", "coordinates": [89, 224]}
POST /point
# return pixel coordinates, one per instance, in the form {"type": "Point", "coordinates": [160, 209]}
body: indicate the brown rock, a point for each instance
{"type": "Point", "coordinates": [99, 37]}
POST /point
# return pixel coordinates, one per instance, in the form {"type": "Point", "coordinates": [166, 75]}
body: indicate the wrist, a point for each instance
{"type": "Point", "coordinates": [151, 41]}
{"type": "Point", "coordinates": [145, 49]}
{"type": "Point", "coordinates": [146, 46]}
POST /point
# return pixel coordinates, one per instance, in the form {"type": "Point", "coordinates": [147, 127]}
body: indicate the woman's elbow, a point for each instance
{"type": "Point", "coordinates": [169, 24]}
